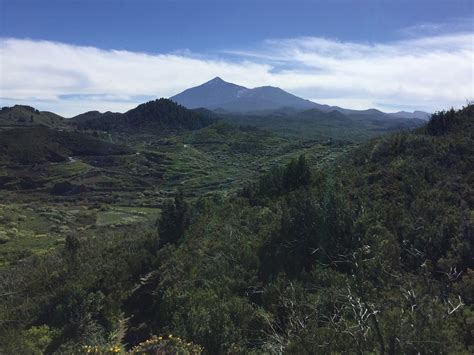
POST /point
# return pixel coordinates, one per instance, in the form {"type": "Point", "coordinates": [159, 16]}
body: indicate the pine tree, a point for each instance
{"type": "Point", "coordinates": [297, 174]}
{"type": "Point", "coordinates": [173, 220]}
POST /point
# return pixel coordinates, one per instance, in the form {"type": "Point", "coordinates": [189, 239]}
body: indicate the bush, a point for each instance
{"type": "Point", "coordinates": [167, 345]}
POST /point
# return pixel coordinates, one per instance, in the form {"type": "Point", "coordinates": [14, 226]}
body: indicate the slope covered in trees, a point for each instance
{"type": "Point", "coordinates": [373, 255]}
{"type": "Point", "coordinates": [158, 115]}
{"type": "Point", "coordinates": [35, 145]}
{"type": "Point", "coordinates": [319, 124]}
{"type": "Point", "coordinates": [27, 116]}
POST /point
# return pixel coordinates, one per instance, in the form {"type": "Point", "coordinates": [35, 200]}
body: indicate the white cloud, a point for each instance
{"type": "Point", "coordinates": [460, 24]}
{"type": "Point", "coordinates": [428, 73]}
{"type": "Point", "coordinates": [41, 71]}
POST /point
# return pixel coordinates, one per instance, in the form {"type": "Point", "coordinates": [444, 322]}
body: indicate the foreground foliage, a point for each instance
{"type": "Point", "coordinates": [373, 255]}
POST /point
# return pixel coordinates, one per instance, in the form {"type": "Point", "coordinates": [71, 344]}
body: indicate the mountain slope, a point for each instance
{"type": "Point", "coordinates": [211, 94]}
{"type": "Point", "coordinates": [225, 97]}
{"type": "Point", "coordinates": [387, 231]}
{"type": "Point", "coordinates": [219, 94]}
{"type": "Point", "coordinates": [157, 115]}
{"type": "Point", "coordinates": [35, 145]}
{"type": "Point", "coordinates": [27, 116]}
{"type": "Point", "coordinates": [317, 124]}
{"type": "Point", "coordinates": [267, 98]}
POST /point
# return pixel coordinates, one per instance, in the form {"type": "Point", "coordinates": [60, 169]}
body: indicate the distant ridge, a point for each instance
{"type": "Point", "coordinates": [221, 96]}
{"type": "Point", "coordinates": [415, 114]}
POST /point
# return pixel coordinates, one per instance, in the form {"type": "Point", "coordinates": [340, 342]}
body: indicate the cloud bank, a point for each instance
{"type": "Point", "coordinates": [429, 73]}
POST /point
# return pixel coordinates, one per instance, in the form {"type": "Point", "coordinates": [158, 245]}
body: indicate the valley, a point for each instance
{"type": "Point", "coordinates": [86, 181]}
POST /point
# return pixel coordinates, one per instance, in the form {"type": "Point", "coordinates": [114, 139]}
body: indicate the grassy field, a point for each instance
{"type": "Point", "coordinates": [26, 229]}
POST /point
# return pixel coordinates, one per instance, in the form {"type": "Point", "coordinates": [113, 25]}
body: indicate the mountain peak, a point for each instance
{"type": "Point", "coordinates": [216, 80]}
{"type": "Point", "coordinates": [218, 93]}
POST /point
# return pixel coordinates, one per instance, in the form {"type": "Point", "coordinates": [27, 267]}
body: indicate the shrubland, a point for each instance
{"type": "Point", "coordinates": [372, 254]}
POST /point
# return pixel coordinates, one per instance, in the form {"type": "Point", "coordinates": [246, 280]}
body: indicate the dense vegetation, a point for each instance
{"type": "Point", "coordinates": [42, 144]}
{"type": "Point", "coordinates": [27, 116]}
{"type": "Point", "coordinates": [371, 255]}
{"type": "Point", "coordinates": [158, 115]}
{"type": "Point", "coordinates": [317, 124]}
{"type": "Point", "coordinates": [55, 181]}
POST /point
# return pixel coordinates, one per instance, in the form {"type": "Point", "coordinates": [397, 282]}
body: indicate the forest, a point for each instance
{"type": "Point", "coordinates": [371, 254]}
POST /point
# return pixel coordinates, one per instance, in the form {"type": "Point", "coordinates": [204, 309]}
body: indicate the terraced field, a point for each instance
{"type": "Point", "coordinates": [44, 201]}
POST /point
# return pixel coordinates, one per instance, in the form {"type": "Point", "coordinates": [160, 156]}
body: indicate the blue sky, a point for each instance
{"type": "Point", "coordinates": [71, 55]}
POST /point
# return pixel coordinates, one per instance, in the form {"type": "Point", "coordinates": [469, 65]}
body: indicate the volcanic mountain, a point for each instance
{"type": "Point", "coordinates": [221, 96]}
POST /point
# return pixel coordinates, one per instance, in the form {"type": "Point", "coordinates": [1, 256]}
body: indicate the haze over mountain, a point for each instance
{"type": "Point", "coordinates": [415, 114]}
{"type": "Point", "coordinates": [220, 95]}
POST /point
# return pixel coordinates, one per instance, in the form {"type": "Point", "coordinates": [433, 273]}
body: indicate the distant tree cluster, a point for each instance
{"type": "Point", "coordinates": [160, 115]}
{"type": "Point", "coordinates": [295, 175]}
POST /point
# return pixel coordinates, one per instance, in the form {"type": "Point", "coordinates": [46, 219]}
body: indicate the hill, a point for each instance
{"type": "Point", "coordinates": [35, 145]}
{"type": "Point", "coordinates": [26, 116]}
{"type": "Point", "coordinates": [159, 115]}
